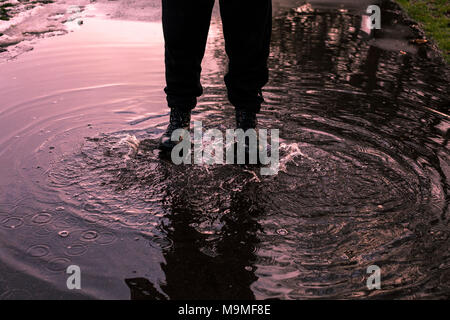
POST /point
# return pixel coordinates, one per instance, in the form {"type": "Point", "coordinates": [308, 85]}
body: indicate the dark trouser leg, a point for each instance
{"type": "Point", "coordinates": [247, 26]}
{"type": "Point", "coordinates": [186, 25]}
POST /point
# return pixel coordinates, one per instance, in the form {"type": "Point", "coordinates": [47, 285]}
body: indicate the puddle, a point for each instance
{"type": "Point", "coordinates": [365, 166]}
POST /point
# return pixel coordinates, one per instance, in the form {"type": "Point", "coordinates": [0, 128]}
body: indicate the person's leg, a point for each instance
{"type": "Point", "coordinates": [247, 26]}
{"type": "Point", "coordinates": [185, 25]}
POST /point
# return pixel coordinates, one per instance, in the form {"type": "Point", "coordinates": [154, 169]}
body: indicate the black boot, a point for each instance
{"type": "Point", "coordinates": [179, 119]}
{"type": "Point", "coordinates": [245, 120]}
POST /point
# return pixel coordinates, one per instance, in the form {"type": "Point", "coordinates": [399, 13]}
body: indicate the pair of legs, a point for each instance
{"type": "Point", "coordinates": [247, 26]}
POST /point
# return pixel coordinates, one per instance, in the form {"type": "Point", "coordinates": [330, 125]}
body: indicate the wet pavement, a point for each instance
{"type": "Point", "coordinates": [364, 177]}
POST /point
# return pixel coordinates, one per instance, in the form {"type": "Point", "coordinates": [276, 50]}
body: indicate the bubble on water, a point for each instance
{"type": "Point", "coordinates": [63, 234]}
{"type": "Point", "coordinates": [282, 232]}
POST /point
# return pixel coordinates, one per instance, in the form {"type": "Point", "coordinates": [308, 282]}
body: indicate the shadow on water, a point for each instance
{"type": "Point", "coordinates": [364, 180]}
{"type": "Point", "coordinates": [213, 230]}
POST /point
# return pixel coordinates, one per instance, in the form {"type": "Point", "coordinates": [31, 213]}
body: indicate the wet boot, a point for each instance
{"type": "Point", "coordinates": [245, 120]}
{"type": "Point", "coordinates": [248, 120]}
{"type": "Point", "coordinates": [179, 119]}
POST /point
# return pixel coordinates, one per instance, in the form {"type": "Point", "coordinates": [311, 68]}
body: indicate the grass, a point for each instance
{"type": "Point", "coordinates": [434, 16]}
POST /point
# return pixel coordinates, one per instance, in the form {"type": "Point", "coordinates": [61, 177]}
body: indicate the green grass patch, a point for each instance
{"type": "Point", "coordinates": [434, 15]}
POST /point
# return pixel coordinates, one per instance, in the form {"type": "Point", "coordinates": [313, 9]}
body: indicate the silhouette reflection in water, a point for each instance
{"type": "Point", "coordinates": [216, 263]}
{"type": "Point", "coordinates": [367, 188]}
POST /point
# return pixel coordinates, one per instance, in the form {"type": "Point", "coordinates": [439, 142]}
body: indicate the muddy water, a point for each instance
{"type": "Point", "coordinates": [364, 168]}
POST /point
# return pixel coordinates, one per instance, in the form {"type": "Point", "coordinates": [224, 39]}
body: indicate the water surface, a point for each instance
{"type": "Point", "coordinates": [364, 167]}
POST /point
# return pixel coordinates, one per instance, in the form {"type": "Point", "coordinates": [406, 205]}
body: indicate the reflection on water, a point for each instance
{"type": "Point", "coordinates": [364, 179]}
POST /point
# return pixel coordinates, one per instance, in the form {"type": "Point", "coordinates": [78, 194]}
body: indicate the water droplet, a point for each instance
{"type": "Point", "coordinates": [282, 232]}
{"type": "Point", "coordinates": [63, 234]}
